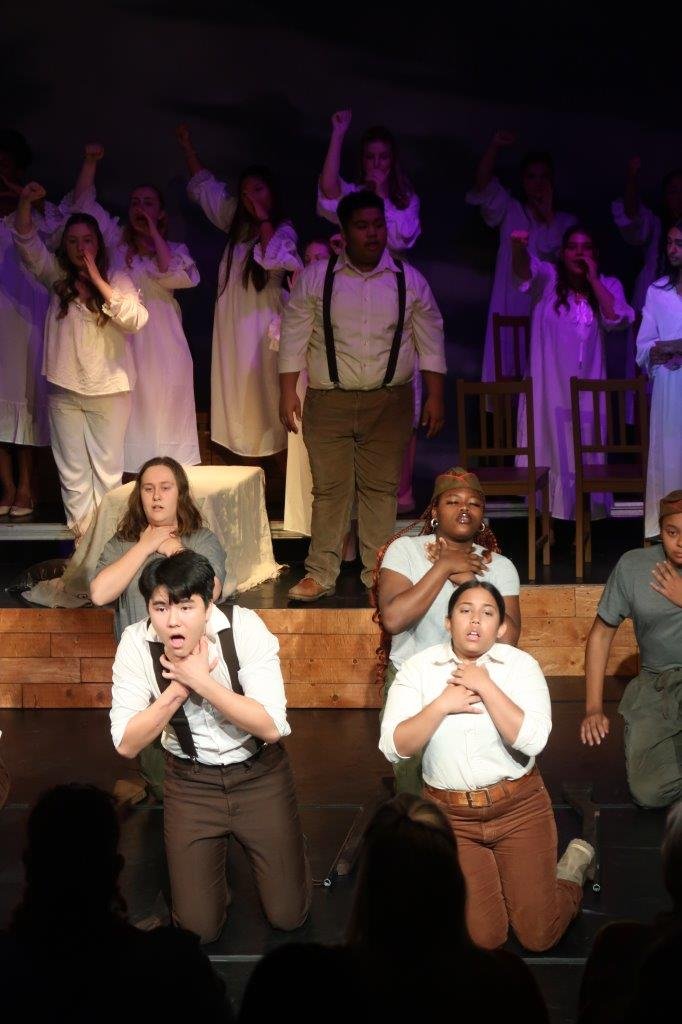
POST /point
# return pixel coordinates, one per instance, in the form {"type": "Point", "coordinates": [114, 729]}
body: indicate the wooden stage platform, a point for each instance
{"type": "Point", "coordinates": [62, 658]}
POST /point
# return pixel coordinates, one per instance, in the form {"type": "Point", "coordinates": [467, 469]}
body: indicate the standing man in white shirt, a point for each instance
{"type": "Point", "coordinates": [211, 686]}
{"type": "Point", "coordinates": [356, 322]}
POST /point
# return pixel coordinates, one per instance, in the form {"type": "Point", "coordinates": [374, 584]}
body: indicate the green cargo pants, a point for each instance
{"type": "Point", "coordinates": [651, 707]}
{"type": "Point", "coordinates": [408, 773]}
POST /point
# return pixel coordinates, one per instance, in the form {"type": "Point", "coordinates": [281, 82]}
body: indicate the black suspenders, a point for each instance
{"type": "Point", "coordinates": [329, 332]}
{"type": "Point", "coordinates": [179, 722]}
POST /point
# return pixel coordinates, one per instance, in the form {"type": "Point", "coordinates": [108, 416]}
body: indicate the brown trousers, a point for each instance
{"type": "Point", "coordinates": [356, 441]}
{"type": "Point", "coordinates": [508, 855]}
{"type": "Point", "coordinates": [255, 802]}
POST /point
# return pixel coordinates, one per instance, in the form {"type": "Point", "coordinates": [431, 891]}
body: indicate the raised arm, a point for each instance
{"type": "Point", "coordinates": [330, 183]}
{"type": "Point", "coordinates": [85, 182]}
{"type": "Point", "coordinates": [34, 253]}
{"type": "Point", "coordinates": [595, 725]}
{"type": "Point", "coordinates": [486, 165]}
{"type": "Point", "coordinates": [184, 137]}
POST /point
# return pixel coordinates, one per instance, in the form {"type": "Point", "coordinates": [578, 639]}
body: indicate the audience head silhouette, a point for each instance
{"type": "Point", "coordinates": [410, 890]}
{"type": "Point", "coordinates": [71, 858]}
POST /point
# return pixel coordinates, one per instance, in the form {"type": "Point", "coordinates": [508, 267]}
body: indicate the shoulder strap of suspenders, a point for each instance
{"type": "Point", "coordinates": [226, 637]}
{"type": "Point", "coordinates": [327, 321]}
{"type": "Point", "coordinates": [178, 722]}
{"type": "Point", "coordinates": [398, 336]}
{"type": "Point", "coordinates": [329, 332]}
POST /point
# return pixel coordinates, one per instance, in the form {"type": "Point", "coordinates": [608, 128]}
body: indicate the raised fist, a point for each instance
{"type": "Point", "coordinates": [503, 138]}
{"type": "Point", "coordinates": [341, 120]}
{"type": "Point", "coordinates": [33, 192]}
{"type": "Point", "coordinates": [183, 135]}
{"type": "Point", "coordinates": [94, 151]}
{"type": "Point", "coordinates": [520, 238]}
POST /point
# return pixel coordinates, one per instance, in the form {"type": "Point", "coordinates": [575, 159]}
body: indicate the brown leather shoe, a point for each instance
{"type": "Point", "coordinates": [309, 589]}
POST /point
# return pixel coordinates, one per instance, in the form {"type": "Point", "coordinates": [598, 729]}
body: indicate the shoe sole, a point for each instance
{"type": "Point", "coordinates": [309, 600]}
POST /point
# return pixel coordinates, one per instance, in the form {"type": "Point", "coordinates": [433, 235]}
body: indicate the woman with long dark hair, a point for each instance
{"type": "Point", "coordinates": [380, 171]}
{"type": "Point", "coordinates": [161, 519]}
{"type": "Point", "coordinates": [659, 353]}
{"type": "Point", "coordinates": [573, 305]}
{"type": "Point", "coordinates": [261, 249]}
{"type": "Point", "coordinates": [534, 213]}
{"type": "Point", "coordinates": [163, 420]}
{"type": "Point", "coordinates": [480, 712]}
{"type": "Point", "coordinates": [87, 358]}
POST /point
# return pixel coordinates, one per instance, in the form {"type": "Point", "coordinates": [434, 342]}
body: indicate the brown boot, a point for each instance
{"type": "Point", "coordinates": [309, 590]}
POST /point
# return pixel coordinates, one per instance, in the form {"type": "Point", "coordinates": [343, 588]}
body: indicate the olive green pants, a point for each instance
{"type": "Point", "coordinates": [408, 773]}
{"type": "Point", "coordinates": [651, 707]}
{"type": "Point", "coordinates": [153, 767]}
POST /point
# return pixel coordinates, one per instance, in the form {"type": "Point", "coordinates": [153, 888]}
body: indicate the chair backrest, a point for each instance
{"type": "Point", "coordinates": [487, 416]}
{"type": "Point", "coordinates": [520, 344]}
{"type": "Point", "coordinates": [608, 419]}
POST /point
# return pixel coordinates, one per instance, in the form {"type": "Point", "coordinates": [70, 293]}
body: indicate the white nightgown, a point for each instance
{"type": "Point", "coordinates": [403, 226]}
{"type": "Point", "coordinates": [662, 321]}
{"type": "Point", "coordinates": [244, 376]}
{"type": "Point", "coordinates": [565, 344]}
{"type": "Point", "coordinates": [23, 307]}
{"type": "Point", "coordinates": [643, 231]}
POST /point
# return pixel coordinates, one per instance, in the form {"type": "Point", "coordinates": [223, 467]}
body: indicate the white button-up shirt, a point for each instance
{"type": "Point", "coordinates": [80, 354]}
{"type": "Point", "coordinates": [466, 751]}
{"type": "Point", "coordinates": [216, 739]}
{"type": "Point", "coordinates": [364, 316]}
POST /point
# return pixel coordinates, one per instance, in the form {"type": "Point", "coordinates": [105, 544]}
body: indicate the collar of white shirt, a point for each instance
{"type": "Point", "coordinates": [385, 263]}
{"type": "Point", "coordinates": [497, 653]}
{"type": "Point", "coordinates": [217, 621]}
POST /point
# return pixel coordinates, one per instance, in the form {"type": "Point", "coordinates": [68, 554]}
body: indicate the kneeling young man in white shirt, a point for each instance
{"type": "Point", "coordinates": [211, 685]}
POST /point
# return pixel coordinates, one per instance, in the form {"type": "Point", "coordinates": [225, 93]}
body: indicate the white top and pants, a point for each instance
{"type": "Point", "coordinates": [662, 321]}
{"type": "Point", "coordinates": [244, 381]}
{"type": "Point", "coordinates": [236, 786]}
{"type": "Point", "coordinates": [492, 794]}
{"type": "Point", "coordinates": [90, 373]}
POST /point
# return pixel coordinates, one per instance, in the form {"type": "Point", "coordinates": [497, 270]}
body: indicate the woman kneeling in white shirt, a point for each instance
{"type": "Point", "coordinates": [87, 358]}
{"type": "Point", "coordinates": [481, 712]}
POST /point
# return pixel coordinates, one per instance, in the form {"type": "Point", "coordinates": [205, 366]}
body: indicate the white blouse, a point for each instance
{"type": "Point", "coordinates": [403, 226]}
{"type": "Point", "coordinates": [466, 751]}
{"type": "Point", "coordinates": [79, 354]}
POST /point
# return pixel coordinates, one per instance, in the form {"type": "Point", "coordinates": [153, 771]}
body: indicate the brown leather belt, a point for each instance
{"type": "Point", "coordinates": [485, 797]}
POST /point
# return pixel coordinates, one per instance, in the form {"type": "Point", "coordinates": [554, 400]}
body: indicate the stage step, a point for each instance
{"type": "Point", "coordinates": [57, 658]}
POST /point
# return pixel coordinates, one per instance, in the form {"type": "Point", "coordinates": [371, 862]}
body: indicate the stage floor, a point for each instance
{"type": "Point", "coordinates": [39, 750]}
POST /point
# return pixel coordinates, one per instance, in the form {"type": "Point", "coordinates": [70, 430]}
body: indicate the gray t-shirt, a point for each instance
{"type": "Point", "coordinates": [130, 606]}
{"type": "Point", "coordinates": [407, 555]}
{"type": "Point", "coordinates": [628, 594]}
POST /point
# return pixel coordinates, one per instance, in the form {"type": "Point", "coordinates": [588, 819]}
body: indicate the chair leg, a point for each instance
{"type": "Point", "coordinates": [588, 528]}
{"type": "Point", "coordinates": [579, 537]}
{"type": "Point", "coordinates": [532, 526]}
{"type": "Point", "coordinates": [546, 524]}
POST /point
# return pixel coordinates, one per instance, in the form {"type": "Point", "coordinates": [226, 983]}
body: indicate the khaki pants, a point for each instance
{"type": "Point", "coordinates": [508, 855]}
{"type": "Point", "coordinates": [356, 441]}
{"type": "Point", "coordinates": [255, 802]}
{"type": "Point", "coordinates": [652, 709]}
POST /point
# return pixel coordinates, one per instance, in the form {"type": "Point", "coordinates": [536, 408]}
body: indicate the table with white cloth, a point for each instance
{"type": "Point", "coordinates": [232, 502]}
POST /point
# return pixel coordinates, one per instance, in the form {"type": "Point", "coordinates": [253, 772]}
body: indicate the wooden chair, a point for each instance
{"type": "Point", "coordinates": [627, 472]}
{"type": "Point", "coordinates": [496, 411]}
{"type": "Point", "coordinates": [520, 328]}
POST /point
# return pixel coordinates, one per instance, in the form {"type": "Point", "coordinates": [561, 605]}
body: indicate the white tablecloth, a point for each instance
{"type": "Point", "coordinates": [232, 502]}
